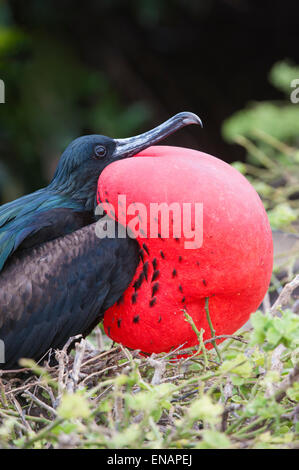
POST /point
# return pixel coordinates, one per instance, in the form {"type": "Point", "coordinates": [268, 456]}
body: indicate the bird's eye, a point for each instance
{"type": "Point", "coordinates": [100, 151]}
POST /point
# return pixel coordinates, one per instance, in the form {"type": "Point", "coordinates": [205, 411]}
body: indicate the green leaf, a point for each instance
{"type": "Point", "coordinates": [239, 365]}
{"type": "Point", "coordinates": [204, 408]}
{"type": "Point", "coordinates": [126, 438]}
{"type": "Point", "coordinates": [214, 440]}
{"type": "Point", "coordinates": [293, 392]}
{"type": "Point", "coordinates": [258, 320]}
{"type": "Point", "coordinates": [277, 120]}
{"type": "Point", "coordinates": [282, 74]}
{"type": "Point", "coordinates": [282, 215]}
{"type": "Point", "coordinates": [73, 405]}
{"type": "Point", "coordinates": [273, 335]}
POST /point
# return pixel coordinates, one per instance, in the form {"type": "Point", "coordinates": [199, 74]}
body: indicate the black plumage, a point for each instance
{"type": "Point", "coordinates": [61, 288]}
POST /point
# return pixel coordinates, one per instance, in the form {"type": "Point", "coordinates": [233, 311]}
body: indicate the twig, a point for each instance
{"type": "Point", "coordinates": [51, 395]}
{"type": "Point", "coordinates": [43, 433]}
{"type": "Point", "coordinates": [285, 295]}
{"type": "Point", "coordinates": [40, 403]}
{"type": "Point", "coordinates": [228, 389]}
{"type": "Point", "coordinates": [174, 351]}
{"type": "Point", "coordinates": [276, 366]}
{"type": "Point", "coordinates": [266, 302]}
{"type": "Point", "coordinates": [159, 367]}
{"type": "Point", "coordinates": [74, 377]}
{"type": "Point", "coordinates": [99, 338]}
{"type": "Point", "coordinates": [277, 144]}
{"type": "Point", "coordinates": [62, 358]}
{"type": "Point", "coordinates": [36, 419]}
{"type": "Point", "coordinates": [191, 352]}
{"type": "Point", "coordinates": [257, 152]}
{"type": "Point", "coordinates": [211, 328]}
{"type": "Point", "coordinates": [226, 413]}
{"type": "Point", "coordinates": [171, 379]}
{"type": "Point", "coordinates": [286, 383]}
{"type": "Point", "coordinates": [102, 371]}
{"type": "Point", "coordinates": [253, 424]}
{"type": "Point", "coordinates": [199, 335]}
{"type": "Point", "coordinates": [3, 397]}
{"type": "Point", "coordinates": [233, 337]}
{"type": "Point", "coordinates": [100, 356]}
{"type": "Point", "coordinates": [70, 341]}
{"type": "Point", "coordinates": [21, 414]}
{"type": "Point", "coordinates": [5, 415]}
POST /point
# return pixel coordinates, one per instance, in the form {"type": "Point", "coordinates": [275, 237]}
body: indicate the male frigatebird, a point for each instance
{"type": "Point", "coordinates": [57, 278]}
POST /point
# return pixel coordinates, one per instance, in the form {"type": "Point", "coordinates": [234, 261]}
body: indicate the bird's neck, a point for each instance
{"type": "Point", "coordinates": [83, 196]}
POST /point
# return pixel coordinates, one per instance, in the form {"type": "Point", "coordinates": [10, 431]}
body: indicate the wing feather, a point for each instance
{"type": "Point", "coordinates": [59, 289]}
{"type": "Point", "coordinates": [30, 215]}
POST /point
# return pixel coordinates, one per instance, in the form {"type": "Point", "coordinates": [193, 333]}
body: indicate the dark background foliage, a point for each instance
{"type": "Point", "coordinates": [120, 67]}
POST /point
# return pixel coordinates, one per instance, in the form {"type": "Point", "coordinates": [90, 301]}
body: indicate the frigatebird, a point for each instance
{"type": "Point", "coordinates": [57, 278]}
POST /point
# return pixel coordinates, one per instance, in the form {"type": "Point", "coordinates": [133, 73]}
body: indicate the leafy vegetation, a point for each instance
{"type": "Point", "coordinates": [269, 133]}
{"type": "Point", "coordinates": [115, 398]}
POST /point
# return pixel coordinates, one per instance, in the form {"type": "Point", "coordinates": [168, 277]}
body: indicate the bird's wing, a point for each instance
{"type": "Point", "coordinates": [40, 216]}
{"type": "Point", "coordinates": [60, 289]}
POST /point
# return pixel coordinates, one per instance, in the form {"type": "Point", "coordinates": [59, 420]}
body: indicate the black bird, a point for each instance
{"type": "Point", "coordinates": [56, 277]}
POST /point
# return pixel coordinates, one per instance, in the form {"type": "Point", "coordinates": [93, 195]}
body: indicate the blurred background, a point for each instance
{"type": "Point", "coordinates": [119, 68]}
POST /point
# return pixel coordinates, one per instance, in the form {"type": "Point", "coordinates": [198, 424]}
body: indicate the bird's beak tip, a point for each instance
{"type": "Point", "coordinates": [190, 118]}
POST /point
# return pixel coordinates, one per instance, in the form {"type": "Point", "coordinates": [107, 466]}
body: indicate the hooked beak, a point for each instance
{"type": "Point", "coordinates": [131, 146]}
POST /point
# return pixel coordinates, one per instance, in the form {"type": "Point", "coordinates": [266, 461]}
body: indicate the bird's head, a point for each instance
{"type": "Point", "coordinates": [86, 157]}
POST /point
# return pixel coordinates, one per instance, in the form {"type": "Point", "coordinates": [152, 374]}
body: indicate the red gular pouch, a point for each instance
{"type": "Point", "coordinates": [222, 251]}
